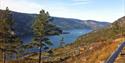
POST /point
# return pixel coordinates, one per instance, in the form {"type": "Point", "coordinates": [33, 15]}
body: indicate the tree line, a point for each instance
{"type": "Point", "coordinates": [11, 45]}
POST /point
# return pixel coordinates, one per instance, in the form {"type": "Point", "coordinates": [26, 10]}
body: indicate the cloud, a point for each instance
{"type": "Point", "coordinates": [80, 2]}
{"type": "Point", "coordinates": [62, 8]}
{"type": "Point", "coordinates": [21, 6]}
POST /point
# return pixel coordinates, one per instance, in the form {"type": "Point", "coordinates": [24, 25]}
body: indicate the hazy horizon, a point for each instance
{"type": "Point", "coordinates": [100, 10]}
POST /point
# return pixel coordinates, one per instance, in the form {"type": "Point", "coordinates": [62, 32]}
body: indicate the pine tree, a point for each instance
{"type": "Point", "coordinates": [8, 39]}
{"type": "Point", "coordinates": [40, 28]}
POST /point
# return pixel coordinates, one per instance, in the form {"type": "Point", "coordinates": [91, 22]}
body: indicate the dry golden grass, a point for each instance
{"type": "Point", "coordinates": [99, 54]}
{"type": "Point", "coordinates": [120, 59]}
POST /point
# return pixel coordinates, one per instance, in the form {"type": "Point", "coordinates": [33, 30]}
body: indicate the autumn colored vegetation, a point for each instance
{"type": "Point", "coordinates": [94, 47]}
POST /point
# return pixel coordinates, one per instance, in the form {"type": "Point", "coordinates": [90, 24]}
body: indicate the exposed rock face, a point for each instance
{"type": "Point", "coordinates": [120, 22]}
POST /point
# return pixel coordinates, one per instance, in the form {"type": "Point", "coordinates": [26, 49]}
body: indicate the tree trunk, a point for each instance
{"type": "Point", "coordinates": [40, 51]}
{"type": "Point", "coordinates": [4, 57]}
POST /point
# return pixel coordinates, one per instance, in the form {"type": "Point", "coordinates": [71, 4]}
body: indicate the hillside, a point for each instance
{"type": "Point", "coordinates": [100, 44]}
{"type": "Point", "coordinates": [24, 21]}
{"type": "Point", "coordinates": [69, 23]}
{"type": "Point", "coordinates": [94, 47]}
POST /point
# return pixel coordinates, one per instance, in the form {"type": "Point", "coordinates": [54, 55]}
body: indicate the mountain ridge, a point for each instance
{"type": "Point", "coordinates": [23, 22]}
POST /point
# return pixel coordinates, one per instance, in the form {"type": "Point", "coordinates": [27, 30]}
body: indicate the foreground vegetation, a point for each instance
{"type": "Point", "coordinates": [11, 46]}
{"type": "Point", "coordinates": [94, 47]}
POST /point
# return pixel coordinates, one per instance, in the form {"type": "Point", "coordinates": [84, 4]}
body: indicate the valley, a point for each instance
{"type": "Point", "coordinates": [62, 31]}
{"type": "Point", "coordinates": [87, 49]}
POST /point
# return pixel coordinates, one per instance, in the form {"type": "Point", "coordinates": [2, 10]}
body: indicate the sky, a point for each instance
{"type": "Point", "coordinates": [100, 10]}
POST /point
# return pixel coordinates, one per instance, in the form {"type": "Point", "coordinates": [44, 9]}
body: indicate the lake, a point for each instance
{"type": "Point", "coordinates": [68, 38]}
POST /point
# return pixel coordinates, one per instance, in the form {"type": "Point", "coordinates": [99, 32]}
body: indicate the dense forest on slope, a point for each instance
{"type": "Point", "coordinates": [69, 23]}
{"type": "Point", "coordinates": [24, 22]}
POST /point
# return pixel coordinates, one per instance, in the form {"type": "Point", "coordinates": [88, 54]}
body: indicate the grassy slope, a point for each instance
{"type": "Point", "coordinates": [97, 46]}
{"type": "Point", "coordinates": [100, 43]}
{"type": "Point", "coordinates": [97, 55]}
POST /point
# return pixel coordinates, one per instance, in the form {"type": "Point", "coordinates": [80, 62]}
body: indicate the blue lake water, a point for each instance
{"type": "Point", "coordinates": [68, 38]}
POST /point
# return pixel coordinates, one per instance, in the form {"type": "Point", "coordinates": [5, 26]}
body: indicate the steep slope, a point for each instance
{"type": "Point", "coordinates": [69, 23]}
{"type": "Point", "coordinates": [94, 47]}
{"type": "Point", "coordinates": [24, 21]}
{"type": "Point", "coordinates": [100, 44]}
{"type": "Point", "coordinates": [120, 22]}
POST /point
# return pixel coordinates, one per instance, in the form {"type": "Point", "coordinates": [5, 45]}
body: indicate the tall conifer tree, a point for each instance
{"type": "Point", "coordinates": [8, 39]}
{"type": "Point", "coordinates": [40, 28]}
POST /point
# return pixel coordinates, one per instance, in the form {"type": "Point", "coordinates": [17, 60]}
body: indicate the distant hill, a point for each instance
{"type": "Point", "coordinates": [95, 46]}
{"type": "Point", "coordinates": [111, 32]}
{"type": "Point", "coordinates": [69, 23]}
{"type": "Point", "coordinates": [24, 22]}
